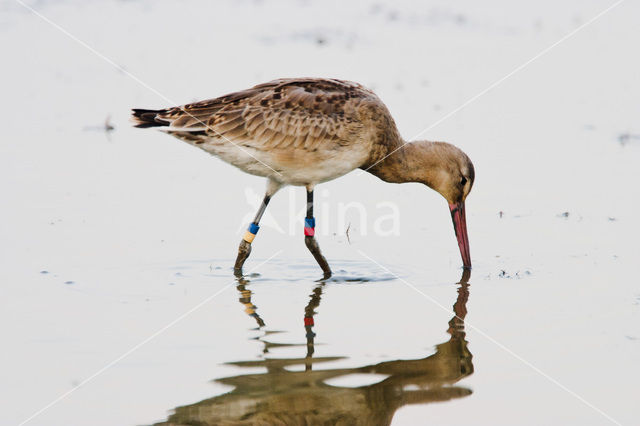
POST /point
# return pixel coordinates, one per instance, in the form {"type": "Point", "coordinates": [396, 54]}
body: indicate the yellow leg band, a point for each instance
{"type": "Point", "coordinates": [248, 237]}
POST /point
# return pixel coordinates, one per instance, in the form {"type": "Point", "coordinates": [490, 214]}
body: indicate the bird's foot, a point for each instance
{"type": "Point", "coordinates": [325, 277]}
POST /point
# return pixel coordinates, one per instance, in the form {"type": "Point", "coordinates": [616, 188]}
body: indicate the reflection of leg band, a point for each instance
{"type": "Point", "coordinates": [309, 226]}
{"type": "Point", "coordinates": [251, 232]}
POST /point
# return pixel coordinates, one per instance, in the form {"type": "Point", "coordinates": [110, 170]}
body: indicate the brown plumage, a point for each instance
{"type": "Point", "coordinates": [306, 131]}
{"type": "Point", "coordinates": [296, 122]}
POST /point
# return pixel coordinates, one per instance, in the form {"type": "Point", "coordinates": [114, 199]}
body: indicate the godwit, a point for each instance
{"type": "Point", "coordinates": [306, 131]}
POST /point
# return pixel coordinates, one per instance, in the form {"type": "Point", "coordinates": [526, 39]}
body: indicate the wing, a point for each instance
{"type": "Point", "coordinates": [300, 113]}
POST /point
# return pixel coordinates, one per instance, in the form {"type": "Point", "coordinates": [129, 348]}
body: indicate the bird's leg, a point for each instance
{"type": "Point", "coordinates": [245, 245]}
{"type": "Point", "coordinates": [309, 238]}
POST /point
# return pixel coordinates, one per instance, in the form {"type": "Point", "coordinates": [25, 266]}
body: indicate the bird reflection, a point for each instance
{"type": "Point", "coordinates": [286, 395]}
{"type": "Point", "coordinates": [245, 299]}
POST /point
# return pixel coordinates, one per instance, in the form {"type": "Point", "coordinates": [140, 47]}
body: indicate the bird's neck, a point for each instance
{"type": "Point", "coordinates": [406, 162]}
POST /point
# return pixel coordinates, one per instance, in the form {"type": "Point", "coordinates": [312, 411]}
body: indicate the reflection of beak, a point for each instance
{"type": "Point", "coordinates": [460, 226]}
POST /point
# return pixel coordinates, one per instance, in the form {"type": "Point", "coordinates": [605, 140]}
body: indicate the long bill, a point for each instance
{"type": "Point", "coordinates": [460, 226]}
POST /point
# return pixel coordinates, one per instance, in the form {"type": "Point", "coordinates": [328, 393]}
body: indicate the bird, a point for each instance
{"type": "Point", "coordinates": [307, 131]}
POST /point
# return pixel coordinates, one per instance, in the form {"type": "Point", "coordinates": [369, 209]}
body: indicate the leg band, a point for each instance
{"type": "Point", "coordinates": [251, 232]}
{"type": "Point", "coordinates": [309, 226]}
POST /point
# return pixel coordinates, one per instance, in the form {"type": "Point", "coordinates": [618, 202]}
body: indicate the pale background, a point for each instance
{"type": "Point", "coordinates": [135, 228]}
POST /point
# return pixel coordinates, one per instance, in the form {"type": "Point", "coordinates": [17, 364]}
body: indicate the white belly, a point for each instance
{"type": "Point", "coordinates": [292, 166]}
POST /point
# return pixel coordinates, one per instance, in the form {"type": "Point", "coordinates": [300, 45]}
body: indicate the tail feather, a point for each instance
{"type": "Point", "coordinates": [144, 118]}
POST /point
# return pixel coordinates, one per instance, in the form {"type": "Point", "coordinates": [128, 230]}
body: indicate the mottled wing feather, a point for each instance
{"type": "Point", "coordinates": [288, 113]}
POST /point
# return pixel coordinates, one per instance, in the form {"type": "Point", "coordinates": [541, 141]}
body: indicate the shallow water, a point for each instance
{"type": "Point", "coordinates": [303, 390]}
{"type": "Point", "coordinates": [119, 303]}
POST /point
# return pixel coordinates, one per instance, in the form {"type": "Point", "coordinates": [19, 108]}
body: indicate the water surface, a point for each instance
{"type": "Point", "coordinates": [300, 391]}
{"type": "Point", "coordinates": [119, 306]}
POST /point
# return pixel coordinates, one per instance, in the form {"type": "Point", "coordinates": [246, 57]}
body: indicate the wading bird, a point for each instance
{"type": "Point", "coordinates": [305, 131]}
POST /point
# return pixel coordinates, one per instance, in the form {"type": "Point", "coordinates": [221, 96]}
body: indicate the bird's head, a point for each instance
{"type": "Point", "coordinates": [442, 167]}
{"type": "Point", "coordinates": [449, 171]}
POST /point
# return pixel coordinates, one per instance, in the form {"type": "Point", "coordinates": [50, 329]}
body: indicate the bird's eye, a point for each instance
{"type": "Point", "coordinates": [463, 181]}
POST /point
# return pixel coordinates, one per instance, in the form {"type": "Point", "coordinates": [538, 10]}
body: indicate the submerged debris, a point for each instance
{"type": "Point", "coordinates": [107, 127]}
{"type": "Point", "coordinates": [107, 124]}
{"type": "Point", "coordinates": [565, 215]}
{"type": "Point", "coordinates": [626, 138]}
{"type": "Point", "coordinates": [517, 275]}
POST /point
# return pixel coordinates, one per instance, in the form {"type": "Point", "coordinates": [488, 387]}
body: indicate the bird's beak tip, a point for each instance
{"type": "Point", "coordinates": [460, 226]}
